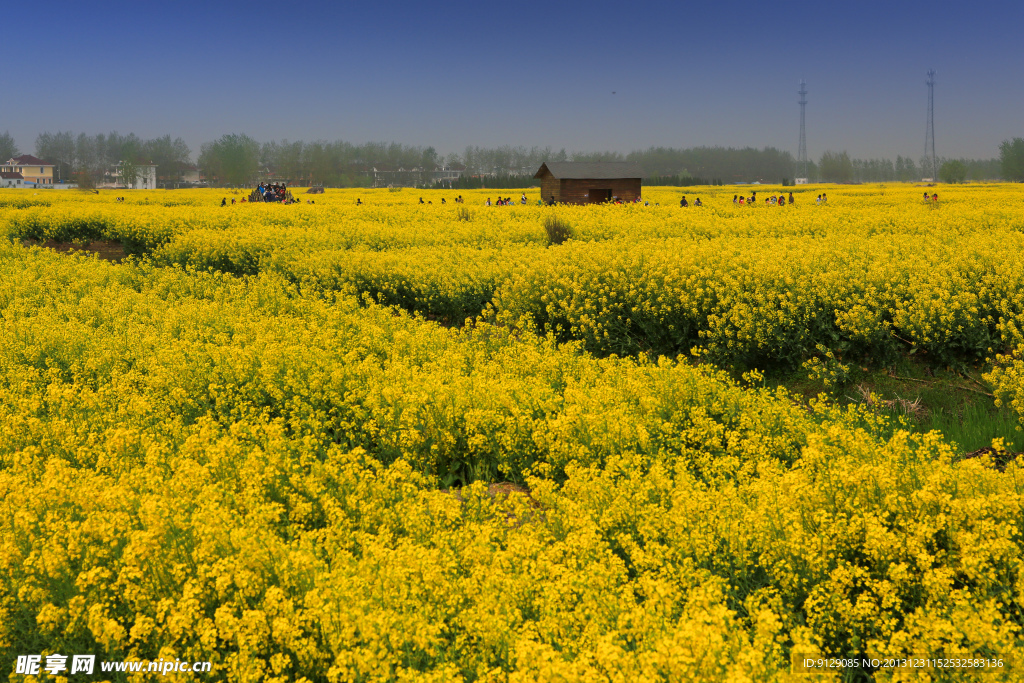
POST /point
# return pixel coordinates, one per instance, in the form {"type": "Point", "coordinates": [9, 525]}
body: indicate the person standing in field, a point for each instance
{"type": "Point", "coordinates": [791, 199]}
{"type": "Point", "coordinates": [683, 203]}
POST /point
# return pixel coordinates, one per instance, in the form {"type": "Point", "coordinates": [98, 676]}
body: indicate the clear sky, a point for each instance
{"type": "Point", "coordinates": [585, 76]}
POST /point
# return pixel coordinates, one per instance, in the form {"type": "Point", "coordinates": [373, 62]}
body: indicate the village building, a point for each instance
{"type": "Point", "coordinates": [188, 174]}
{"type": "Point", "coordinates": [34, 171]}
{"type": "Point", "coordinates": [10, 179]}
{"type": "Point", "coordinates": [145, 177]}
{"type": "Point", "coordinates": [572, 182]}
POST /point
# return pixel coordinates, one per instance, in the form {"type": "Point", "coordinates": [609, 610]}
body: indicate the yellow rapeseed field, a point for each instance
{"type": "Point", "coordinates": [269, 438]}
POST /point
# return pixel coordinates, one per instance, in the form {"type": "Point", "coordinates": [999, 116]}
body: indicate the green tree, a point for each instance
{"type": "Point", "coordinates": [232, 158]}
{"type": "Point", "coordinates": [835, 167]}
{"type": "Point", "coordinates": [7, 147]}
{"type": "Point", "coordinates": [1011, 157]}
{"type": "Point", "coordinates": [169, 156]}
{"type": "Point", "coordinates": [129, 172]}
{"type": "Point", "coordinates": [953, 171]}
{"type": "Point", "coordinates": [58, 148]}
{"type": "Point", "coordinates": [906, 169]}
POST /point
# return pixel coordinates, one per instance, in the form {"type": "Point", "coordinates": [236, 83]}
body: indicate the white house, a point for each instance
{"type": "Point", "coordinates": [11, 179]}
{"type": "Point", "coordinates": [145, 177]}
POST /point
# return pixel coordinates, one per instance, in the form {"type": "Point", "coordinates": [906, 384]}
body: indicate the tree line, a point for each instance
{"type": "Point", "coordinates": [838, 167]}
{"type": "Point", "coordinates": [87, 159]}
{"type": "Point", "coordinates": [237, 159]}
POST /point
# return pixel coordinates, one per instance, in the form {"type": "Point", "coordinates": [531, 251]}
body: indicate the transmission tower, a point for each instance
{"type": "Point", "coordinates": [929, 136]}
{"type": "Point", "coordinates": [801, 155]}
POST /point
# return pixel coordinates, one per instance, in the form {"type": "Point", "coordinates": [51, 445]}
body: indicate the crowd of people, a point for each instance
{"type": "Point", "coordinates": [279, 193]}
{"type": "Point", "coordinates": [505, 201]}
{"type": "Point", "coordinates": [771, 200]}
{"type": "Point", "coordinates": [273, 192]}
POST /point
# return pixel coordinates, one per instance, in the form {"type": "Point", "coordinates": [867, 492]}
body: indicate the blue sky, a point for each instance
{"type": "Point", "coordinates": [583, 76]}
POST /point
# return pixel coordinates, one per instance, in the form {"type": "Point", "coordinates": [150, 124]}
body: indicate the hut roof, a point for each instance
{"type": "Point", "coordinates": [597, 170]}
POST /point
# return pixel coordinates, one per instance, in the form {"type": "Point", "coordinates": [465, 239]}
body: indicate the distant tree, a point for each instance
{"type": "Point", "coordinates": [169, 156]}
{"type": "Point", "coordinates": [429, 160]}
{"type": "Point", "coordinates": [929, 167]}
{"type": "Point", "coordinates": [953, 171]}
{"type": "Point", "coordinates": [7, 147]}
{"type": "Point", "coordinates": [906, 169]}
{"type": "Point", "coordinates": [1011, 156]}
{"type": "Point", "coordinates": [89, 166]}
{"type": "Point", "coordinates": [58, 148]}
{"type": "Point", "coordinates": [454, 160]}
{"type": "Point", "coordinates": [836, 167]}
{"type": "Point", "coordinates": [231, 158]}
{"type": "Point", "coordinates": [84, 180]}
{"type": "Point", "coordinates": [129, 172]}
{"type": "Point", "coordinates": [286, 159]}
{"type": "Point", "coordinates": [983, 169]}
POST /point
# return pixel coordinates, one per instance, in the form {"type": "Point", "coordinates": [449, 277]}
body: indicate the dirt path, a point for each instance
{"type": "Point", "coordinates": [107, 250]}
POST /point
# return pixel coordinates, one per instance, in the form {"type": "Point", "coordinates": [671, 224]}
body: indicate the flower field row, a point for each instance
{"type": "Point", "coordinates": [876, 273]}
{"type": "Point", "coordinates": [244, 471]}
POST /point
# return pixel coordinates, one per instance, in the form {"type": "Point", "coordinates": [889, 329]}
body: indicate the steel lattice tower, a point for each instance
{"type": "Point", "coordinates": [929, 136]}
{"type": "Point", "coordinates": [801, 154]}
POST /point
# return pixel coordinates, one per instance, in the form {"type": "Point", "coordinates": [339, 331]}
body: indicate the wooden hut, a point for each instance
{"type": "Point", "coordinates": [571, 182]}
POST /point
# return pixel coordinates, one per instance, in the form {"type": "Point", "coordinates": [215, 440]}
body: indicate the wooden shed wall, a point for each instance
{"type": "Point", "coordinates": [549, 186]}
{"type": "Point", "coordinates": [577, 191]}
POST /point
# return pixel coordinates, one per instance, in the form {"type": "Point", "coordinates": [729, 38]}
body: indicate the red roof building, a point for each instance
{"type": "Point", "coordinates": [11, 179]}
{"type": "Point", "coordinates": [33, 169]}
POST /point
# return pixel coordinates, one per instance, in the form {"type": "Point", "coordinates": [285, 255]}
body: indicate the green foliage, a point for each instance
{"type": "Point", "coordinates": [1011, 155]}
{"type": "Point", "coordinates": [835, 167]}
{"type": "Point", "coordinates": [953, 171]}
{"type": "Point", "coordinates": [7, 147]}
{"type": "Point", "coordinates": [827, 369]}
{"type": "Point", "coordinates": [499, 181]}
{"type": "Point", "coordinates": [558, 229]}
{"type": "Point", "coordinates": [129, 172]}
{"type": "Point", "coordinates": [232, 159]}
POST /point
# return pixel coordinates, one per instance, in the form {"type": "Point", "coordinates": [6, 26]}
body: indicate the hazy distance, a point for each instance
{"type": "Point", "coordinates": [580, 76]}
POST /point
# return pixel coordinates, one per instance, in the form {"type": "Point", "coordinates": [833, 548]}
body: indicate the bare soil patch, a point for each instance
{"type": "Point", "coordinates": [999, 458]}
{"type": "Point", "coordinates": [108, 250]}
